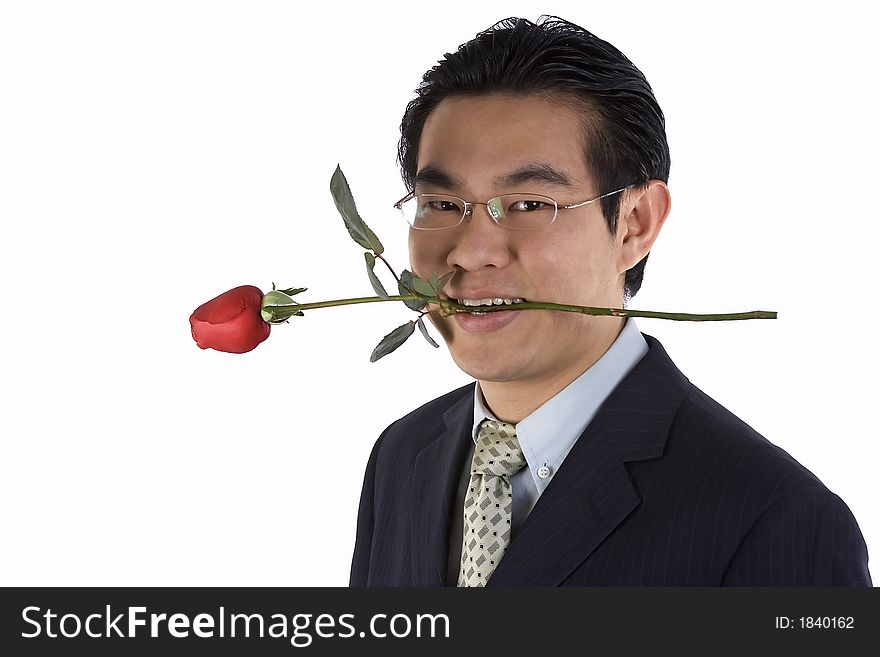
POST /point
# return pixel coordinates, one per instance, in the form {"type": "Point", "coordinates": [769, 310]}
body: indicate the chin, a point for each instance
{"type": "Point", "coordinates": [488, 367]}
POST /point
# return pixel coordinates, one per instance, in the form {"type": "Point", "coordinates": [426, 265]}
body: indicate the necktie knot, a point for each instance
{"type": "Point", "coordinates": [497, 451]}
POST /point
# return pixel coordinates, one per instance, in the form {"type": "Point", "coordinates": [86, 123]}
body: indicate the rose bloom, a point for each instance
{"type": "Point", "coordinates": [230, 322]}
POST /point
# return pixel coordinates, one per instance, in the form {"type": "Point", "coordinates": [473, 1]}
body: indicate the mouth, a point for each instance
{"type": "Point", "coordinates": [488, 302]}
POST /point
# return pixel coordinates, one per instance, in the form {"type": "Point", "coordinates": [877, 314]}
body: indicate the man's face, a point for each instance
{"type": "Point", "coordinates": [476, 142]}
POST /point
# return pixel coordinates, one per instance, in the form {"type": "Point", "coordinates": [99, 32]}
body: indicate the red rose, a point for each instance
{"type": "Point", "coordinates": [230, 322]}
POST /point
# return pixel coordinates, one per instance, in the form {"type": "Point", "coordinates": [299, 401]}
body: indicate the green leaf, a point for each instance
{"type": "Point", "coordinates": [422, 287]}
{"type": "Point", "coordinates": [437, 284]}
{"type": "Point", "coordinates": [442, 282]}
{"type": "Point", "coordinates": [425, 333]}
{"type": "Point", "coordinates": [392, 341]}
{"type": "Point", "coordinates": [374, 280]}
{"type": "Point", "coordinates": [358, 230]}
{"type": "Point", "coordinates": [406, 287]}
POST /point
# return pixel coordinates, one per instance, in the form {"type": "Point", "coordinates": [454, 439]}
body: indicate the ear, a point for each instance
{"type": "Point", "coordinates": [644, 211]}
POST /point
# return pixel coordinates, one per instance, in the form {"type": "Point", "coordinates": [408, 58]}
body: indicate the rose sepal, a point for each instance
{"type": "Point", "coordinates": [278, 306]}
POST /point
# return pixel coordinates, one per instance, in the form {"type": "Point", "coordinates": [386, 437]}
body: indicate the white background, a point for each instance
{"type": "Point", "coordinates": [155, 154]}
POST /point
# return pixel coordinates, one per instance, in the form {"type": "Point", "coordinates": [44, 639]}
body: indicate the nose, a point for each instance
{"type": "Point", "coordinates": [479, 242]}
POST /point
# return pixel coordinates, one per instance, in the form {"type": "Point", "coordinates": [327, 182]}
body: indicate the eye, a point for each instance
{"type": "Point", "coordinates": [529, 205]}
{"type": "Point", "coordinates": [442, 206]}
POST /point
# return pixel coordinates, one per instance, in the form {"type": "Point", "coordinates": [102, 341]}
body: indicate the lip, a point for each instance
{"type": "Point", "coordinates": [488, 322]}
{"type": "Point", "coordinates": [485, 323]}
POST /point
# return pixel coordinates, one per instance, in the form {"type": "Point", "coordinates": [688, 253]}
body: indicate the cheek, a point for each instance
{"type": "Point", "coordinates": [571, 266]}
{"type": "Point", "coordinates": [426, 255]}
{"type": "Point", "coordinates": [556, 261]}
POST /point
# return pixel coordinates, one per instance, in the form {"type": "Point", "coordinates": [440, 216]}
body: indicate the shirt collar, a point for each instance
{"type": "Point", "coordinates": [548, 433]}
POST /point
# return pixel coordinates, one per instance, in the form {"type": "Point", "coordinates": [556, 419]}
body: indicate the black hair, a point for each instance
{"type": "Point", "coordinates": [623, 127]}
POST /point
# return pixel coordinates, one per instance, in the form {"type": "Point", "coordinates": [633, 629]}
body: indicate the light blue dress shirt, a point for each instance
{"type": "Point", "coordinates": [548, 433]}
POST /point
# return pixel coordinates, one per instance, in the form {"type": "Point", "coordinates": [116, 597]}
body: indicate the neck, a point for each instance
{"type": "Point", "coordinates": [512, 401]}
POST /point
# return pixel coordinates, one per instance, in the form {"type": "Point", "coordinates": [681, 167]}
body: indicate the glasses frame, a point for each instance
{"type": "Point", "coordinates": [469, 206]}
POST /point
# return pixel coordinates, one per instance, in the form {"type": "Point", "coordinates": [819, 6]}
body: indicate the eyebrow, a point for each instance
{"type": "Point", "coordinates": [538, 172]}
{"type": "Point", "coordinates": [434, 175]}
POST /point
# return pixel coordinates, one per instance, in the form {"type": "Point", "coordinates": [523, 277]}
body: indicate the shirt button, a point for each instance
{"type": "Point", "coordinates": [543, 472]}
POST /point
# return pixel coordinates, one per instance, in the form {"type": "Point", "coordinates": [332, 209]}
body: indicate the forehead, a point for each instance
{"type": "Point", "coordinates": [478, 139]}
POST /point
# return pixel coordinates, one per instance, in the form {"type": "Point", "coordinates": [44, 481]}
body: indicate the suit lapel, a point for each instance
{"type": "Point", "coordinates": [592, 494]}
{"type": "Point", "coordinates": [435, 476]}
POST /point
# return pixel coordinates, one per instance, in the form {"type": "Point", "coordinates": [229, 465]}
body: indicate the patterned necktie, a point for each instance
{"type": "Point", "coordinates": [497, 457]}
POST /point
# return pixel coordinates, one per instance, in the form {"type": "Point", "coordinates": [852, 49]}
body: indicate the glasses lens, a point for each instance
{"type": "Point", "coordinates": [523, 211]}
{"type": "Point", "coordinates": [433, 211]}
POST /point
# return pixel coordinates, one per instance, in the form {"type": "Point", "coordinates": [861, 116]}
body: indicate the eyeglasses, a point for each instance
{"type": "Point", "coordinates": [512, 211]}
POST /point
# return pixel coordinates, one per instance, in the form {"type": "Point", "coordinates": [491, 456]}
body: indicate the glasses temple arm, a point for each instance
{"type": "Point", "coordinates": [593, 200]}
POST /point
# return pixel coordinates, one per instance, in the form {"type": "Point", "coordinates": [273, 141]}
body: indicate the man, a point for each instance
{"type": "Point", "coordinates": [538, 161]}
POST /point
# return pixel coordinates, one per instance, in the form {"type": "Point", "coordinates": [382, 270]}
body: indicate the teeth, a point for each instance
{"type": "Point", "coordinates": [489, 301]}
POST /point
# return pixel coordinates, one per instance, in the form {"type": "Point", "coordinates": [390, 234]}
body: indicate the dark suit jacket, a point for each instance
{"type": "Point", "coordinates": [664, 488]}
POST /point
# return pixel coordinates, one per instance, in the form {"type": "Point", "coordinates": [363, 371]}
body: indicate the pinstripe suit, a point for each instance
{"type": "Point", "coordinates": [664, 488]}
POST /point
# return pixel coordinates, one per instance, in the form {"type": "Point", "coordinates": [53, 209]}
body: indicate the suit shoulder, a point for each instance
{"type": "Point", "coordinates": [717, 466]}
{"type": "Point", "coordinates": [731, 444]}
